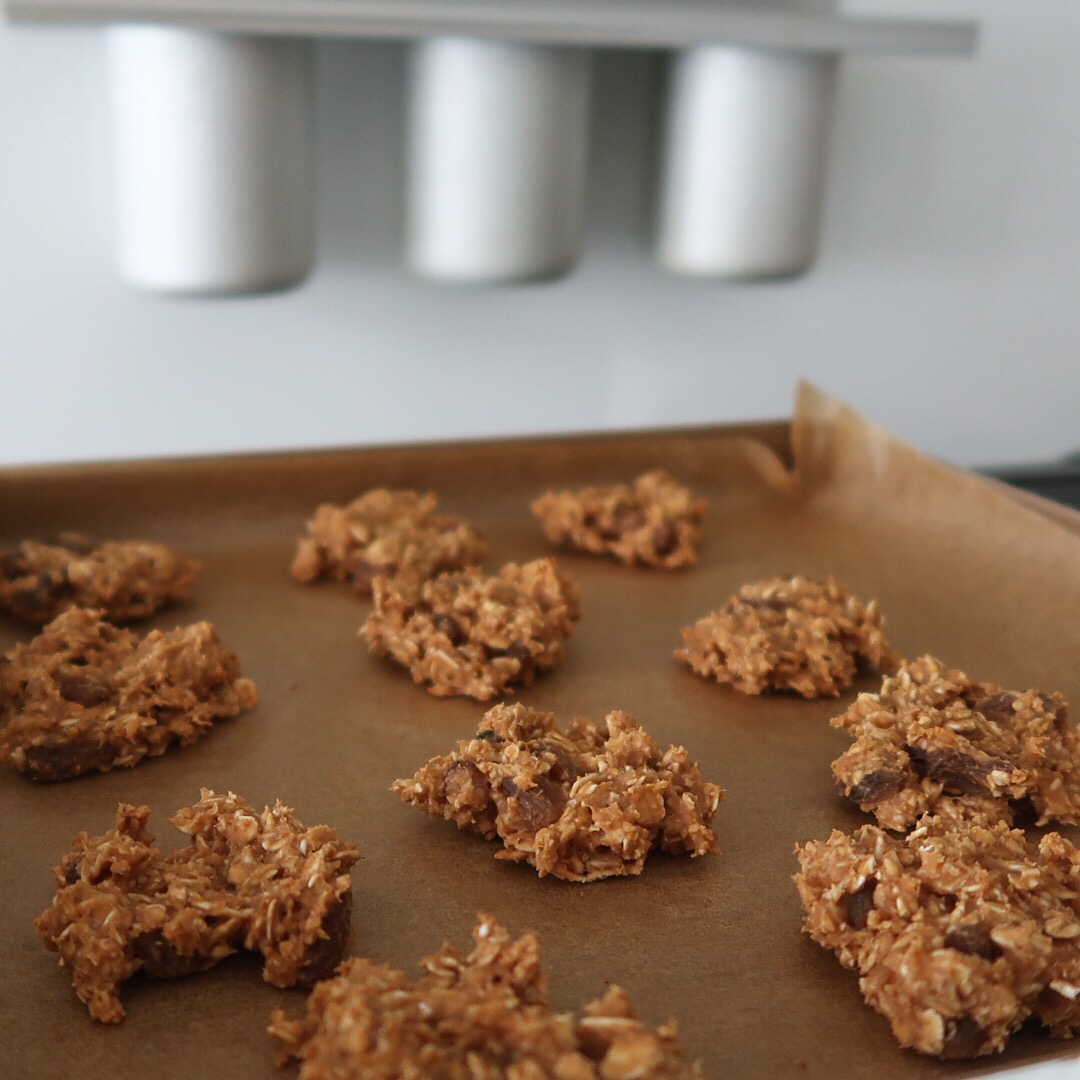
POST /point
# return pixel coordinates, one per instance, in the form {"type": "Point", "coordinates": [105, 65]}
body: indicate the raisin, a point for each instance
{"type": "Point", "coordinates": [665, 538]}
{"type": "Point", "coordinates": [858, 905]}
{"type": "Point", "coordinates": [450, 627]}
{"type": "Point", "coordinates": [82, 689]}
{"type": "Point", "coordinates": [973, 941]}
{"type": "Point", "coordinates": [876, 786]}
{"type": "Point", "coordinates": [998, 708]}
{"type": "Point", "coordinates": [460, 778]}
{"type": "Point", "coordinates": [541, 805]}
{"type": "Point", "coordinates": [964, 1038]}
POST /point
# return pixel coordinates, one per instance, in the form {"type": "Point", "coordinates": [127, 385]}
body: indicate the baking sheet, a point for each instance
{"type": "Point", "coordinates": [961, 570]}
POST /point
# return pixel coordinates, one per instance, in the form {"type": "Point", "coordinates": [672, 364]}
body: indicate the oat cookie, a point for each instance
{"type": "Point", "coordinates": [484, 1015]}
{"type": "Point", "coordinates": [582, 804]}
{"type": "Point", "coordinates": [472, 633]}
{"type": "Point", "coordinates": [388, 534]}
{"type": "Point", "coordinates": [654, 521]}
{"type": "Point", "coordinates": [85, 695]}
{"type": "Point", "coordinates": [959, 930]}
{"type": "Point", "coordinates": [788, 634]}
{"type": "Point", "coordinates": [933, 733]}
{"type": "Point", "coordinates": [247, 880]}
{"type": "Point", "coordinates": [126, 579]}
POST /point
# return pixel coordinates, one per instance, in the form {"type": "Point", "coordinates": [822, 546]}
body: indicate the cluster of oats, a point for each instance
{"type": "Point", "coordinates": [124, 579]}
{"type": "Point", "coordinates": [655, 521]}
{"type": "Point", "coordinates": [960, 929]}
{"type": "Point", "coordinates": [248, 880]}
{"type": "Point", "coordinates": [931, 733]}
{"type": "Point", "coordinates": [483, 1016]}
{"type": "Point", "coordinates": [581, 804]}
{"type": "Point", "coordinates": [85, 695]}
{"type": "Point", "coordinates": [472, 633]}
{"type": "Point", "coordinates": [385, 533]}
{"type": "Point", "coordinates": [788, 634]}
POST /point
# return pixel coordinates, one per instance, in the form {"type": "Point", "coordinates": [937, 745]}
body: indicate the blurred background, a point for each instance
{"type": "Point", "coordinates": [944, 302]}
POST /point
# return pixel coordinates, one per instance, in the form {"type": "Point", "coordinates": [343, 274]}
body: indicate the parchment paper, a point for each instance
{"type": "Point", "coordinates": [961, 569]}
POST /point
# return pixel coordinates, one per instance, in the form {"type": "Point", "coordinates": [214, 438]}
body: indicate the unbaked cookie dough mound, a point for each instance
{"type": "Point", "coordinates": [248, 880]}
{"type": "Point", "coordinates": [788, 634]}
{"type": "Point", "coordinates": [582, 804]}
{"type": "Point", "coordinates": [655, 521]}
{"type": "Point", "coordinates": [932, 734]}
{"type": "Point", "coordinates": [126, 579]}
{"type": "Point", "coordinates": [395, 534]}
{"type": "Point", "coordinates": [475, 634]}
{"type": "Point", "coordinates": [482, 1015]}
{"type": "Point", "coordinates": [959, 930]}
{"type": "Point", "coordinates": [87, 696]}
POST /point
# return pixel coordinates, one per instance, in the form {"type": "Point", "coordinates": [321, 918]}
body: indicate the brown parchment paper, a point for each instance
{"type": "Point", "coordinates": [960, 567]}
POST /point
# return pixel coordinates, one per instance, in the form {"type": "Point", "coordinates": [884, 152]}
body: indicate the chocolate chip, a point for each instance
{"type": "Point", "coordinates": [665, 538]}
{"type": "Point", "coordinates": [519, 650]}
{"type": "Point", "coordinates": [858, 905]}
{"type": "Point", "coordinates": [82, 689]}
{"type": "Point", "coordinates": [61, 761]}
{"type": "Point", "coordinates": [997, 708]}
{"type": "Point", "coordinates": [160, 960]}
{"type": "Point", "coordinates": [964, 1038]}
{"type": "Point", "coordinates": [488, 736]}
{"type": "Point", "coordinates": [324, 955]}
{"type": "Point", "coordinates": [448, 625]}
{"type": "Point", "coordinates": [876, 786]}
{"type": "Point", "coordinates": [973, 941]}
{"type": "Point", "coordinates": [957, 772]}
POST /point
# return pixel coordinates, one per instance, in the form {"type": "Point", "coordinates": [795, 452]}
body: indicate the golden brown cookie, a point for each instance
{"type": "Point", "coordinates": [247, 880]}
{"type": "Point", "coordinates": [484, 1015]}
{"type": "Point", "coordinates": [472, 633]}
{"type": "Point", "coordinates": [959, 930]}
{"type": "Point", "coordinates": [655, 521]}
{"type": "Point", "coordinates": [85, 695]}
{"type": "Point", "coordinates": [932, 733]}
{"type": "Point", "coordinates": [383, 533]}
{"type": "Point", "coordinates": [788, 634]}
{"type": "Point", "coordinates": [126, 579]}
{"type": "Point", "coordinates": [581, 804]}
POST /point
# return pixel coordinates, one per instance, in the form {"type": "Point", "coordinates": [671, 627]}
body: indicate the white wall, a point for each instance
{"type": "Point", "coordinates": [944, 303]}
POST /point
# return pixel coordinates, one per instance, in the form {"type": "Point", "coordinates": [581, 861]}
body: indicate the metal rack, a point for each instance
{"type": "Point", "coordinates": [212, 103]}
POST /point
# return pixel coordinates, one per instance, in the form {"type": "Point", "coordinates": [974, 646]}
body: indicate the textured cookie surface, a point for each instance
{"type": "Point", "coordinates": [931, 733]}
{"type": "Point", "coordinates": [127, 579]}
{"type": "Point", "coordinates": [385, 533]}
{"type": "Point", "coordinates": [472, 633]}
{"type": "Point", "coordinates": [788, 634]}
{"type": "Point", "coordinates": [247, 880]}
{"type": "Point", "coordinates": [581, 804]}
{"type": "Point", "coordinates": [85, 695]}
{"type": "Point", "coordinates": [655, 521]}
{"type": "Point", "coordinates": [481, 1016]}
{"type": "Point", "coordinates": [959, 930]}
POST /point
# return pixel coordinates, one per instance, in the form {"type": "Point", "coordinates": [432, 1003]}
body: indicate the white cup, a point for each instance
{"type": "Point", "coordinates": [743, 168]}
{"type": "Point", "coordinates": [497, 158]}
{"type": "Point", "coordinates": [214, 156]}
